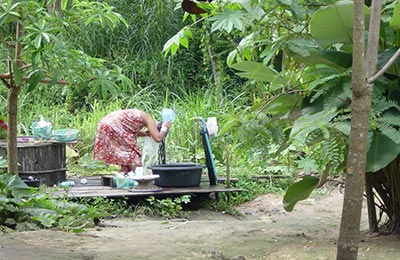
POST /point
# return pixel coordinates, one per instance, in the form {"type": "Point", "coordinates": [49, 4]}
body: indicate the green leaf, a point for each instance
{"type": "Point", "coordinates": [64, 4]}
{"type": "Point", "coordinates": [382, 151]}
{"type": "Point", "coordinates": [7, 14]}
{"type": "Point", "coordinates": [283, 104]}
{"type": "Point", "coordinates": [34, 79]}
{"type": "Point", "coordinates": [308, 123]}
{"type": "Point", "coordinates": [301, 190]}
{"type": "Point", "coordinates": [334, 23]}
{"type": "Point", "coordinates": [38, 41]}
{"type": "Point", "coordinates": [3, 199]}
{"type": "Point", "coordinates": [231, 57]}
{"type": "Point", "coordinates": [227, 20]}
{"type": "Point", "coordinates": [181, 38]}
{"type": "Point", "coordinates": [18, 188]}
{"type": "Point", "coordinates": [327, 57]}
{"type": "Point", "coordinates": [307, 165]}
{"type": "Point", "coordinates": [258, 71]}
{"type": "Point", "coordinates": [45, 217]}
{"type": "Point", "coordinates": [395, 22]}
{"type": "Point", "coordinates": [255, 11]}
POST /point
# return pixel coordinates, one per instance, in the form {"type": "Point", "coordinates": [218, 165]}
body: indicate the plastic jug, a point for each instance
{"type": "Point", "coordinates": [41, 129]}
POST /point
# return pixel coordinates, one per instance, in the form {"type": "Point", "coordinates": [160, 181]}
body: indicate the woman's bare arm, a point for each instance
{"type": "Point", "coordinates": [152, 127]}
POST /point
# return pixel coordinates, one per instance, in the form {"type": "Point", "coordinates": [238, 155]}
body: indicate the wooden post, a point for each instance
{"type": "Point", "coordinates": [228, 171]}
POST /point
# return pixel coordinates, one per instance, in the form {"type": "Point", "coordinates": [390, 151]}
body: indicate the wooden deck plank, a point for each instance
{"type": "Point", "coordinates": [109, 192]}
{"type": "Point", "coordinates": [98, 186]}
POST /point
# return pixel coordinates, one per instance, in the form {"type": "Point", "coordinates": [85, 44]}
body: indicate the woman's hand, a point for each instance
{"type": "Point", "coordinates": [167, 124]}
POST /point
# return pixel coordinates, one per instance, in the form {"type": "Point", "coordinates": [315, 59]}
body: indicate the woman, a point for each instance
{"type": "Point", "coordinates": [116, 137]}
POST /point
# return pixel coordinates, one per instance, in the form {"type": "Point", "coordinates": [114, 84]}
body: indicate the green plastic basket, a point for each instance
{"type": "Point", "coordinates": [65, 135]}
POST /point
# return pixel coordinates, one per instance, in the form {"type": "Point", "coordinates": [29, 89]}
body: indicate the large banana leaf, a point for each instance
{"type": "Point", "coordinates": [328, 57]}
{"type": "Point", "coordinates": [301, 190]}
{"type": "Point", "coordinates": [283, 104]}
{"type": "Point", "coordinates": [334, 23]}
{"type": "Point", "coordinates": [258, 71]}
{"type": "Point", "coordinates": [395, 22]}
{"type": "Point", "coordinates": [382, 151]}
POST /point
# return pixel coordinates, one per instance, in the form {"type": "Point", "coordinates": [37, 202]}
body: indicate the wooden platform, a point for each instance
{"type": "Point", "coordinates": [109, 192]}
{"type": "Point", "coordinates": [94, 188]}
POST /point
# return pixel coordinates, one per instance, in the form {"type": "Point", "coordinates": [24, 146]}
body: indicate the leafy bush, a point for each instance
{"type": "Point", "coordinates": [25, 208]}
{"type": "Point", "coordinates": [169, 207]}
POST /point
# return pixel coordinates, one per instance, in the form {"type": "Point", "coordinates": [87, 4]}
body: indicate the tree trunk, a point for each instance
{"type": "Point", "coordinates": [12, 110]}
{"type": "Point", "coordinates": [12, 155]}
{"type": "Point", "coordinates": [348, 242]}
{"type": "Point", "coordinates": [363, 68]}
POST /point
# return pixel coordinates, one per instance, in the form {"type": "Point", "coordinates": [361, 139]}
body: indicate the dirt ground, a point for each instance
{"type": "Point", "coordinates": [264, 231]}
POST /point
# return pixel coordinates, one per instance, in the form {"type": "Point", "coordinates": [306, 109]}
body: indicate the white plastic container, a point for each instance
{"type": "Point", "coordinates": [212, 126]}
{"type": "Point", "coordinates": [168, 115]}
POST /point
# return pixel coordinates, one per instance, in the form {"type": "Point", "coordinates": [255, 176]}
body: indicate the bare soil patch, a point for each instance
{"type": "Point", "coordinates": [264, 231]}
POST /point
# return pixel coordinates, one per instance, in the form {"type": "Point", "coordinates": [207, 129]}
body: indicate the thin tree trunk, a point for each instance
{"type": "Point", "coordinates": [12, 110]}
{"type": "Point", "coordinates": [348, 242]}
{"type": "Point", "coordinates": [349, 236]}
{"type": "Point", "coordinates": [371, 62]}
{"type": "Point", "coordinates": [12, 154]}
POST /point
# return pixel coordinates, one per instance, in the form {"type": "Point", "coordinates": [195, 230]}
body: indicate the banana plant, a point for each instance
{"type": "Point", "coordinates": [384, 141]}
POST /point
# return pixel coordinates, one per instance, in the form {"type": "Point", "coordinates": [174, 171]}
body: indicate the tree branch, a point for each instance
{"type": "Point", "coordinates": [5, 82]}
{"type": "Point", "coordinates": [60, 82]}
{"type": "Point", "coordinates": [371, 58]}
{"type": "Point", "coordinates": [384, 68]}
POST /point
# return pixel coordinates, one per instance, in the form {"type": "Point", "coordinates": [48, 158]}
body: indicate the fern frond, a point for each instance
{"type": "Point", "coordinates": [307, 124]}
{"type": "Point", "coordinates": [380, 105]}
{"type": "Point", "coordinates": [390, 132]}
{"type": "Point", "coordinates": [330, 152]}
{"type": "Point", "coordinates": [389, 119]}
{"type": "Point", "coordinates": [325, 84]}
{"type": "Point", "coordinates": [343, 117]}
{"type": "Point", "coordinates": [342, 127]}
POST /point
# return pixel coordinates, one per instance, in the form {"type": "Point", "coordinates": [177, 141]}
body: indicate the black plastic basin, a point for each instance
{"type": "Point", "coordinates": [33, 182]}
{"type": "Point", "coordinates": [178, 174]}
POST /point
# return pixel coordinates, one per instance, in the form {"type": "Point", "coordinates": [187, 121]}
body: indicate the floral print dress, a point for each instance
{"type": "Point", "coordinates": [116, 139]}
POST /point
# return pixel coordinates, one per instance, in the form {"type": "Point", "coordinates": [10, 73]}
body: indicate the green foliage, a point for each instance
{"type": "Point", "coordinates": [88, 166]}
{"type": "Point", "coordinates": [395, 21]}
{"type": "Point", "coordinates": [169, 207]}
{"type": "Point", "coordinates": [227, 20]}
{"type": "Point", "coordinates": [299, 191]}
{"type": "Point", "coordinates": [260, 72]}
{"type": "Point", "coordinates": [334, 24]}
{"type": "Point", "coordinates": [105, 207]}
{"type": "Point", "coordinates": [381, 152]}
{"type": "Point", "coordinates": [3, 162]}
{"type": "Point", "coordinates": [46, 45]}
{"type": "Point", "coordinates": [25, 208]}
